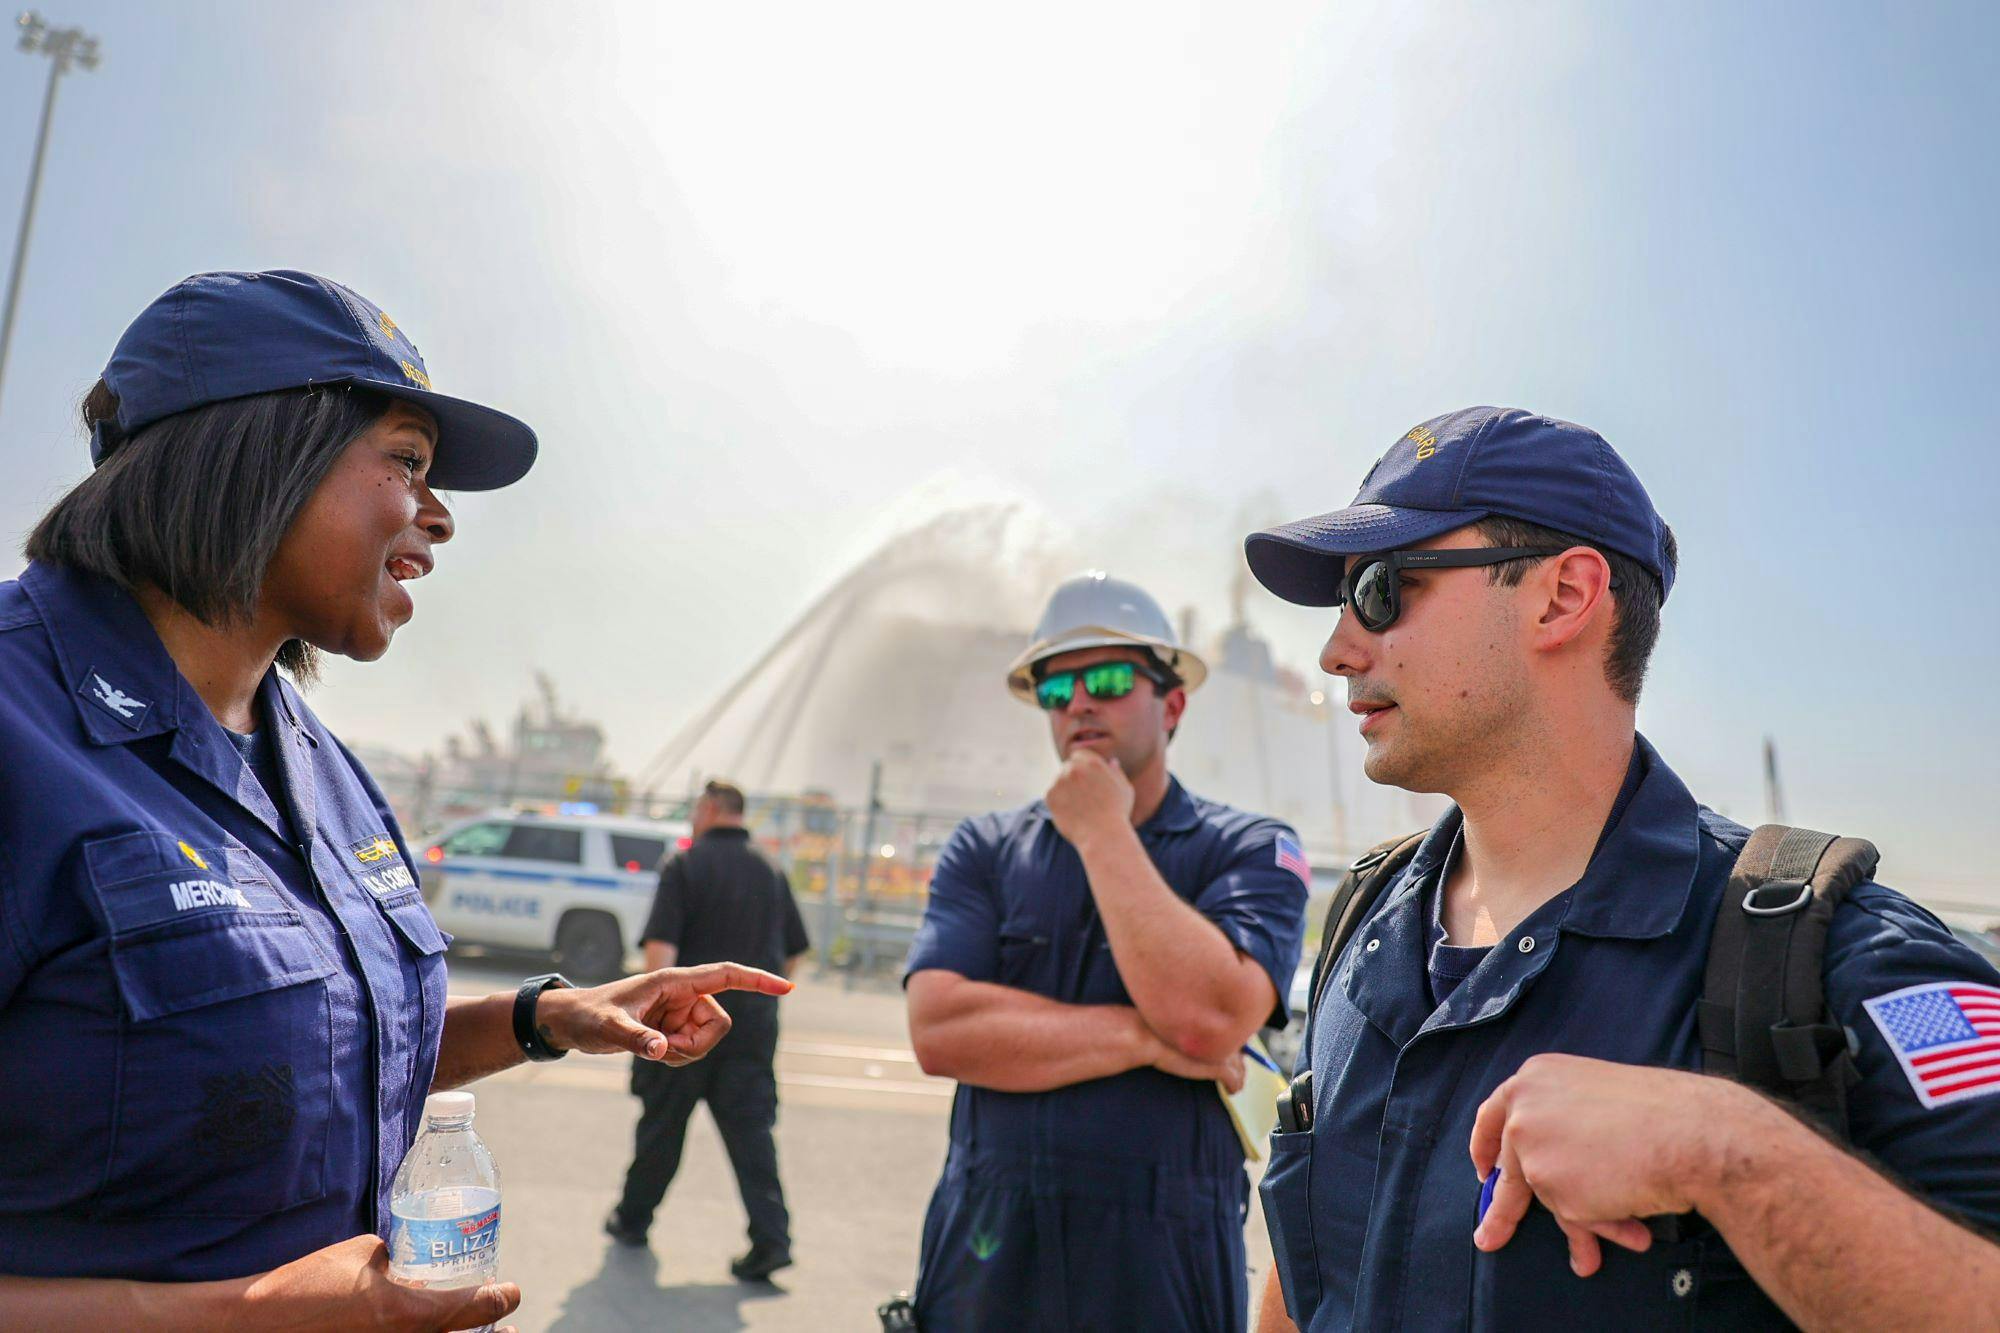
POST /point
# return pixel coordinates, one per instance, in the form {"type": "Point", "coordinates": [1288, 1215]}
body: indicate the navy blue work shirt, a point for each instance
{"type": "Point", "coordinates": [218, 1023]}
{"type": "Point", "coordinates": [1372, 1211]}
{"type": "Point", "coordinates": [1117, 1202]}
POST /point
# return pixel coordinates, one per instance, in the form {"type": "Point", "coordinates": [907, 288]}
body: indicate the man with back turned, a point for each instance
{"type": "Point", "coordinates": [719, 898]}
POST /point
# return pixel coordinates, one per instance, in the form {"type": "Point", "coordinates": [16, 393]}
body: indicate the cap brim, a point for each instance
{"type": "Point", "coordinates": [478, 448]}
{"type": "Point", "coordinates": [1302, 562]}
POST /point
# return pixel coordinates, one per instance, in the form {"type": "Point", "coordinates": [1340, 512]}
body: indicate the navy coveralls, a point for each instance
{"type": "Point", "coordinates": [1117, 1203]}
{"type": "Point", "coordinates": [218, 1021]}
{"type": "Point", "coordinates": [1372, 1211]}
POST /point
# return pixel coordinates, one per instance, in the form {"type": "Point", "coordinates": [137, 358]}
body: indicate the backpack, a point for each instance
{"type": "Point", "coordinates": [1762, 1015]}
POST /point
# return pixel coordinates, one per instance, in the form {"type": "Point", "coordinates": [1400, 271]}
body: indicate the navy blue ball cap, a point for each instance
{"type": "Point", "coordinates": [216, 336]}
{"type": "Point", "coordinates": [1457, 469]}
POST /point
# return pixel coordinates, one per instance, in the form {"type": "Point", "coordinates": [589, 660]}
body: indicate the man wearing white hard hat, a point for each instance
{"type": "Point", "coordinates": [1089, 967]}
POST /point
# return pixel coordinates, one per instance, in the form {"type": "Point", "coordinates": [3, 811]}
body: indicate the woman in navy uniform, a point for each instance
{"type": "Point", "coordinates": [222, 998]}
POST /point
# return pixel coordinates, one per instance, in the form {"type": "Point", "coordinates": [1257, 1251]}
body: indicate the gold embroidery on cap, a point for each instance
{"type": "Point", "coordinates": [388, 325]}
{"type": "Point", "coordinates": [415, 375]}
{"type": "Point", "coordinates": [1427, 443]}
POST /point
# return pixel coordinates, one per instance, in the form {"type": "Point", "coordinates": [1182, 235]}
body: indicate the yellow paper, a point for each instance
{"type": "Point", "coordinates": [1254, 1110]}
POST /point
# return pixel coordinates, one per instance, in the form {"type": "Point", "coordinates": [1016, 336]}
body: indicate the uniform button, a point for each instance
{"type": "Point", "coordinates": [1373, 945]}
{"type": "Point", "coordinates": [1527, 944]}
{"type": "Point", "coordinates": [1683, 1282]}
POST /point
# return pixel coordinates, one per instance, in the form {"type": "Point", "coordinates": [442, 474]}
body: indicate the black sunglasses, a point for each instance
{"type": "Point", "coordinates": [1373, 584]}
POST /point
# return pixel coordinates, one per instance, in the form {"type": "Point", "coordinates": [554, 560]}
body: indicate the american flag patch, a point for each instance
{"type": "Point", "coordinates": [1292, 857]}
{"type": "Point", "coordinates": [1946, 1035]}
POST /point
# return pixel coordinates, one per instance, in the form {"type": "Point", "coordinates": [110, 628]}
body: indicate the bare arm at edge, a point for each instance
{"type": "Point", "coordinates": [1865, 1255]}
{"type": "Point", "coordinates": [343, 1286]}
{"type": "Point", "coordinates": [1271, 1314]}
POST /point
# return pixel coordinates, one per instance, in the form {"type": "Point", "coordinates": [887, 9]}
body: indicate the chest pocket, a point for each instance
{"type": "Point", "coordinates": [414, 922]}
{"type": "Point", "coordinates": [1028, 957]}
{"type": "Point", "coordinates": [1663, 1288]}
{"type": "Point", "coordinates": [1287, 1195]}
{"type": "Point", "coordinates": [376, 868]}
{"type": "Point", "coordinates": [224, 1043]}
{"type": "Point", "coordinates": [417, 932]}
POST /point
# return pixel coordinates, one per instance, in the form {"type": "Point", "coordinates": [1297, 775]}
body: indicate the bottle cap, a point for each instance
{"type": "Point", "coordinates": [448, 1105]}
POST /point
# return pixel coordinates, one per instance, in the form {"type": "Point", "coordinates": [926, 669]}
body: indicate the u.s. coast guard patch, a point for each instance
{"type": "Point", "coordinates": [381, 865]}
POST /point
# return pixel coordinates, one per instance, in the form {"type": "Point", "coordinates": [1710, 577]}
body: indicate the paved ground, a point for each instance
{"type": "Point", "coordinates": [861, 1135]}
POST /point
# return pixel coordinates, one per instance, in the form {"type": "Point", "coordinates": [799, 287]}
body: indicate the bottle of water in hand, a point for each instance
{"type": "Point", "coordinates": [445, 1204]}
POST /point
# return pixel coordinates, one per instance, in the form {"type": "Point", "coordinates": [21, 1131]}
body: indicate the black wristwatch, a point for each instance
{"type": "Point", "coordinates": [525, 1000]}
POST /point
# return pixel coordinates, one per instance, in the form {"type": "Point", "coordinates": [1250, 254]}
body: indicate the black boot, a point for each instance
{"type": "Point", "coordinates": [762, 1261]}
{"type": "Point", "coordinates": [616, 1227]}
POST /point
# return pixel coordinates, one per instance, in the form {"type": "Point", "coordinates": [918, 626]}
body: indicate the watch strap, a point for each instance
{"type": "Point", "coordinates": [526, 1035]}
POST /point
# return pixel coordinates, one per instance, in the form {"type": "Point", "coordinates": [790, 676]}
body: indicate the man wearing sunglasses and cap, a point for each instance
{"type": "Point", "coordinates": [1504, 1123]}
{"type": "Point", "coordinates": [1089, 967]}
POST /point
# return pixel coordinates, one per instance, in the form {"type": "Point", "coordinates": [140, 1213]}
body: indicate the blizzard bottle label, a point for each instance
{"type": "Point", "coordinates": [445, 1247]}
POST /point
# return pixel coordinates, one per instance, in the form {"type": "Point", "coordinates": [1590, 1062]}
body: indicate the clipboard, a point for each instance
{"type": "Point", "coordinates": [1254, 1110]}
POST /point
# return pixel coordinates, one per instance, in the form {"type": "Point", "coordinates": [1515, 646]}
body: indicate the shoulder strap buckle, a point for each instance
{"type": "Point", "coordinates": [1763, 1016]}
{"type": "Point", "coordinates": [1767, 899]}
{"type": "Point", "coordinates": [1372, 858]}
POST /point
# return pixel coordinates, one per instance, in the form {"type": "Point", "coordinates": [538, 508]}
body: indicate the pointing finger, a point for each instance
{"type": "Point", "coordinates": [711, 977]}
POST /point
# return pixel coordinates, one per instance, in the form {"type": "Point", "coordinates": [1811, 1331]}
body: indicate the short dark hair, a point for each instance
{"type": "Point", "coordinates": [1637, 599]}
{"type": "Point", "coordinates": [195, 504]}
{"type": "Point", "coordinates": [726, 797]}
{"type": "Point", "coordinates": [1174, 682]}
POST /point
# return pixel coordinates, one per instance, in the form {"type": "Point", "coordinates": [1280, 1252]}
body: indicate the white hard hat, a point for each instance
{"type": "Point", "coordinates": [1094, 610]}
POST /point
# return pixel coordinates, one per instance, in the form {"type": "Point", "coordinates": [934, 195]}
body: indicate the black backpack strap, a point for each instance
{"type": "Point", "coordinates": [1763, 1015]}
{"type": "Point", "coordinates": [1352, 897]}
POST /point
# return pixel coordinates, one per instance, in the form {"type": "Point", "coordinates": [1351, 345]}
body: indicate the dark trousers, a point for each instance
{"type": "Point", "coordinates": [742, 1095]}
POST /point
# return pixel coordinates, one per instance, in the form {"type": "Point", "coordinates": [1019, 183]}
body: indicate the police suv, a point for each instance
{"type": "Point", "coordinates": [579, 887]}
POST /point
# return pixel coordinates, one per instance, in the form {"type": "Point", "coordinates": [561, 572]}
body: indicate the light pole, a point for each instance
{"type": "Point", "coordinates": [63, 47]}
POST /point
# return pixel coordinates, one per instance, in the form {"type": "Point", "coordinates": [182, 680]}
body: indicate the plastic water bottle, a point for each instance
{"type": "Point", "coordinates": [445, 1204]}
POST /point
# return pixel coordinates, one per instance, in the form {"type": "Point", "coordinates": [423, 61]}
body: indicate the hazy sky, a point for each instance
{"type": "Point", "coordinates": [772, 279]}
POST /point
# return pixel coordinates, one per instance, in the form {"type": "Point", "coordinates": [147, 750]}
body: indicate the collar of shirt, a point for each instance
{"type": "Point", "coordinates": [98, 629]}
{"type": "Point", "coordinates": [126, 688]}
{"type": "Point", "coordinates": [1176, 813]}
{"type": "Point", "coordinates": [726, 833]}
{"type": "Point", "coordinates": [1637, 886]}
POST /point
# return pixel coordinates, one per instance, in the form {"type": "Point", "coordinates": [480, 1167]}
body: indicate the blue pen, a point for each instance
{"type": "Point", "coordinates": [1486, 1194]}
{"type": "Point", "coordinates": [1263, 1060]}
